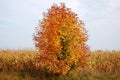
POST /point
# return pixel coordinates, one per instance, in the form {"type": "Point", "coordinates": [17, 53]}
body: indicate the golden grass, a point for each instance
{"type": "Point", "coordinates": [104, 65]}
{"type": "Point", "coordinates": [17, 60]}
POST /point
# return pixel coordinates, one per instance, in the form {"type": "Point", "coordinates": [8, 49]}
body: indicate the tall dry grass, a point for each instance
{"type": "Point", "coordinates": [23, 65]}
{"type": "Point", "coordinates": [105, 61]}
{"type": "Point", "coordinates": [18, 60]}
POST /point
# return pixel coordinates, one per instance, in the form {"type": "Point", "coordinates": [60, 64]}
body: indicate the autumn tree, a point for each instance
{"type": "Point", "coordinates": [61, 37]}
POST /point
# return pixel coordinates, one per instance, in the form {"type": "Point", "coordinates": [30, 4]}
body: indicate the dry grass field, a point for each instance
{"type": "Point", "coordinates": [23, 65]}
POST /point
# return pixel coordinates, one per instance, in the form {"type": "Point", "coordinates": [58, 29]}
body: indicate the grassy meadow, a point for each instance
{"type": "Point", "coordinates": [23, 65]}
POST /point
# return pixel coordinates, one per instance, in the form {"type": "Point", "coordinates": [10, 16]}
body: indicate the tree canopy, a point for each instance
{"type": "Point", "coordinates": [61, 37]}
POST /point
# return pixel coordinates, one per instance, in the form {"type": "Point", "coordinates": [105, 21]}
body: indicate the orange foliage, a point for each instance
{"type": "Point", "coordinates": [61, 38]}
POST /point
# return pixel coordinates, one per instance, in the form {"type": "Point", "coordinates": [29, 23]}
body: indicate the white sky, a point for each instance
{"type": "Point", "coordinates": [18, 19]}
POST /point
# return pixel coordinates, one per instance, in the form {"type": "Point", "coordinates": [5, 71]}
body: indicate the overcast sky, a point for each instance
{"type": "Point", "coordinates": [18, 19]}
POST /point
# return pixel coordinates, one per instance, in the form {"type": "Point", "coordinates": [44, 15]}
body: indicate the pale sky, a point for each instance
{"type": "Point", "coordinates": [18, 19]}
